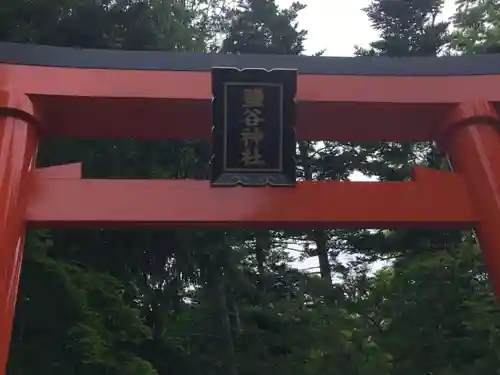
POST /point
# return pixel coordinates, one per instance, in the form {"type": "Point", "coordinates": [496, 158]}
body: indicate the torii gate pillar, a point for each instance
{"type": "Point", "coordinates": [472, 141]}
{"type": "Point", "coordinates": [17, 156]}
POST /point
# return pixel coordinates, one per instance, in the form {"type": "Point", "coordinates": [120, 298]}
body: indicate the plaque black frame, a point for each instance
{"type": "Point", "coordinates": [286, 79]}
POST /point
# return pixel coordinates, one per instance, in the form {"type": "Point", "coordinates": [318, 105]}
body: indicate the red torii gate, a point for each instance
{"type": "Point", "coordinates": [49, 91]}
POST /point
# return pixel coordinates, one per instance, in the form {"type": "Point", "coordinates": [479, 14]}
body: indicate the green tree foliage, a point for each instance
{"type": "Point", "coordinates": [124, 24]}
{"type": "Point", "coordinates": [407, 28]}
{"type": "Point", "coordinates": [73, 320]}
{"type": "Point", "coordinates": [477, 26]}
{"type": "Point", "coordinates": [259, 26]}
{"type": "Point", "coordinates": [434, 312]}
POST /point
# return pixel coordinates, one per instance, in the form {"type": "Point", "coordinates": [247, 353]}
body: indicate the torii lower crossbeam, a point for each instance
{"type": "Point", "coordinates": [433, 199]}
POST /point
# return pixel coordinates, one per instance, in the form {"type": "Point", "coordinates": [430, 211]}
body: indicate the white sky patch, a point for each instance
{"type": "Point", "coordinates": [339, 25]}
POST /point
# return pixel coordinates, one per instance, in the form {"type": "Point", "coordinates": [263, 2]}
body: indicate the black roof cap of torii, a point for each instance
{"type": "Point", "coordinates": [37, 55]}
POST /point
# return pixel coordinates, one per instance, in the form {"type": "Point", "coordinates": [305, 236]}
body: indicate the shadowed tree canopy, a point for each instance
{"type": "Point", "coordinates": [259, 26]}
{"type": "Point", "coordinates": [407, 28]}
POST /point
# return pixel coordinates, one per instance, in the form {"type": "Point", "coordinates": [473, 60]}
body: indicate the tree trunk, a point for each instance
{"type": "Point", "coordinates": [324, 262]}
{"type": "Point", "coordinates": [262, 247]}
{"type": "Point", "coordinates": [222, 331]}
{"type": "Point", "coordinates": [319, 236]}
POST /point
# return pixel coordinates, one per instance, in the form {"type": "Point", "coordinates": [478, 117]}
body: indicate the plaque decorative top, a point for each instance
{"type": "Point", "coordinates": [253, 131]}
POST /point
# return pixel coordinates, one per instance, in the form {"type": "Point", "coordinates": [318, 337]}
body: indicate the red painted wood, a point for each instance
{"type": "Point", "coordinates": [17, 150]}
{"type": "Point", "coordinates": [435, 199]}
{"type": "Point", "coordinates": [473, 143]}
{"type": "Point", "coordinates": [172, 104]}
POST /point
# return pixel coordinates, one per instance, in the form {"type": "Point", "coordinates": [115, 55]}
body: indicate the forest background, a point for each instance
{"type": "Point", "coordinates": [158, 302]}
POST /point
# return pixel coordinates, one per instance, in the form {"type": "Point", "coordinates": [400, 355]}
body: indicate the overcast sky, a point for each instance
{"type": "Point", "coordinates": [339, 25]}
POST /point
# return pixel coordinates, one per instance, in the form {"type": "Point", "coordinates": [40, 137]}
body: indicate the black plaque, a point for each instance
{"type": "Point", "coordinates": [253, 134]}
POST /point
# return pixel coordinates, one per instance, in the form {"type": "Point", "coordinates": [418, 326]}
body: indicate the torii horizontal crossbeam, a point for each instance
{"type": "Point", "coordinates": [433, 199]}
{"type": "Point", "coordinates": [158, 95]}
